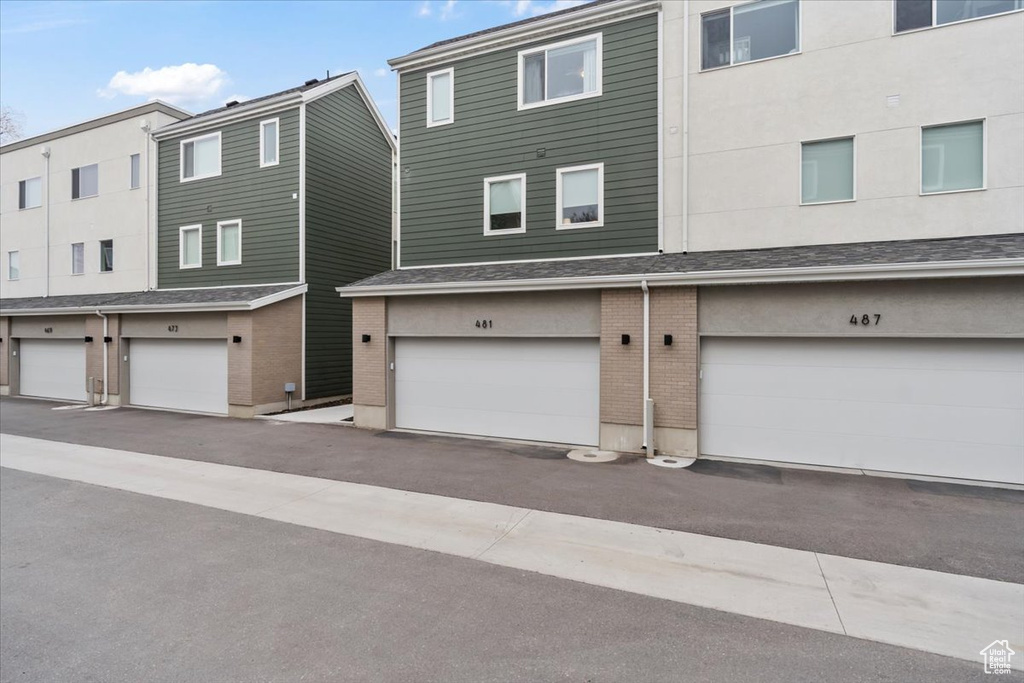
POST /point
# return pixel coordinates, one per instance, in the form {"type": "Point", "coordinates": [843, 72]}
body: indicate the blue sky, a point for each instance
{"type": "Point", "coordinates": [64, 62]}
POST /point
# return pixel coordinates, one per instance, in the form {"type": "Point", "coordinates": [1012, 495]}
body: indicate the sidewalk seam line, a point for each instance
{"type": "Point", "coordinates": [502, 537]}
{"type": "Point", "coordinates": [296, 500]}
{"type": "Point", "coordinates": [831, 597]}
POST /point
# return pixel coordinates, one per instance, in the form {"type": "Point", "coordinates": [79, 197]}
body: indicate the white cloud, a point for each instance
{"type": "Point", "coordinates": [424, 9]}
{"type": "Point", "coordinates": [448, 10]}
{"type": "Point", "coordinates": [532, 8]}
{"type": "Point", "coordinates": [176, 84]}
{"type": "Point", "coordinates": [381, 72]}
{"type": "Point", "coordinates": [445, 10]}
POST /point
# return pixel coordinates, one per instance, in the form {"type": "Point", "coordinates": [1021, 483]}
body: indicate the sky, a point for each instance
{"type": "Point", "coordinates": [64, 62]}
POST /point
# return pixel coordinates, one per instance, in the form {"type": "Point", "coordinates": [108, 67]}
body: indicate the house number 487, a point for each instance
{"type": "Point", "coordinates": [865, 319]}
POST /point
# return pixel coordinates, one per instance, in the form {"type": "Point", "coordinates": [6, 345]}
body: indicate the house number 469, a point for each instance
{"type": "Point", "coordinates": [865, 319]}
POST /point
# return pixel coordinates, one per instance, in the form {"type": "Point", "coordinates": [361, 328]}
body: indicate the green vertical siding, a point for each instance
{"type": "Point", "coordinates": [261, 197]}
{"type": "Point", "coordinates": [442, 168]}
{"type": "Point", "coordinates": [348, 228]}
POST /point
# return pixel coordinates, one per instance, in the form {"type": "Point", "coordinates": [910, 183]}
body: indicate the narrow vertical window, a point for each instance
{"type": "Point", "coordinates": [269, 146]}
{"type": "Point", "coordinates": [826, 171]}
{"type": "Point", "coordinates": [750, 32]}
{"type": "Point", "coordinates": [440, 97]}
{"type": "Point", "coordinates": [579, 193]}
{"type": "Point", "coordinates": [953, 157]}
{"type": "Point", "coordinates": [505, 204]}
{"type": "Point", "coordinates": [85, 181]}
{"type": "Point", "coordinates": [190, 246]}
{"type": "Point", "coordinates": [106, 256]}
{"type": "Point", "coordinates": [78, 258]}
{"type": "Point", "coordinates": [229, 243]}
{"type": "Point", "coordinates": [135, 171]}
{"type": "Point", "coordinates": [13, 265]}
{"type": "Point", "coordinates": [30, 193]}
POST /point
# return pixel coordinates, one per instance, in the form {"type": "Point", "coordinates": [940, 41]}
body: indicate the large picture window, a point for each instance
{"type": "Point", "coordinates": [505, 204]}
{"type": "Point", "coordinates": [747, 33]}
{"type": "Point", "coordinates": [562, 72]}
{"type": "Point", "coordinates": [826, 171]}
{"type": "Point", "coordinates": [909, 15]}
{"type": "Point", "coordinates": [953, 157]}
{"type": "Point", "coordinates": [579, 193]}
{"type": "Point", "coordinates": [200, 157]}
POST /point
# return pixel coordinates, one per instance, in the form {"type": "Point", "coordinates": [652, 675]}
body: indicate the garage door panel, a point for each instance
{"type": "Point", "coordinates": [481, 372]}
{"type": "Point", "coordinates": [453, 395]}
{"type": "Point", "coordinates": [526, 425]}
{"type": "Point", "coordinates": [53, 368]}
{"type": "Point", "coordinates": [180, 374]}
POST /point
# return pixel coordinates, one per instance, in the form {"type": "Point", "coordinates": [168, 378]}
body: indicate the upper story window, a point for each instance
{"type": "Point", "coordinates": [190, 246]}
{"type": "Point", "coordinates": [579, 196]}
{"type": "Point", "coordinates": [914, 14]}
{"type": "Point", "coordinates": [106, 256]}
{"type": "Point", "coordinates": [229, 243]}
{"type": "Point", "coordinates": [269, 146]}
{"type": "Point", "coordinates": [13, 265]}
{"type": "Point", "coordinates": [78, 258]}
{"type": "Point", "coordinates": [747, 33]}
{"type": "Point", "coordinates": [505, 204]}
{"type": "Point", "coordinates": [200, 157]}
{"type": "Point", "coordinates": [30, 193]}
{"type": "Point", "coordinates": [826, 171]}
{"type": "Point", "coordinates": [440, 97]}
{"type": "Point", "coordinates": [85, 181]}
{"type": "Point", "coordinates": [953, 157]}
{"type": "Point", "coordinates": [561, 72]}
{"type": "Point", "coordinates": [135, 172]}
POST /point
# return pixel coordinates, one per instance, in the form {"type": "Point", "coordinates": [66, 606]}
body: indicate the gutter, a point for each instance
{"type": "Point", "coordinates": [896, 271]}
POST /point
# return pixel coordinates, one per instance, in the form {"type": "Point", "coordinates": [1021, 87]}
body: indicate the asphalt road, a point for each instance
{"type": "Point", "coordinates": [943, 527]}
{"type": "Point", "coordinates": [103, 585]}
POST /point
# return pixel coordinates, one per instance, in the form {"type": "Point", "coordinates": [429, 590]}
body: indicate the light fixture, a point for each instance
{"type": "Point", "coordinates": [236, 339]}
{"type": "Point", "coordinates": [668, 340]}
{"type": "Point", "coordinates": [625, 339]}
{"type": "Point", "coordinates": [366, 338]}
{"type": "Point", "coordinates": [88, 340]}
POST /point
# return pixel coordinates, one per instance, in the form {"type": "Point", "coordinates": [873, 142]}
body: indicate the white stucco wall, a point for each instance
{"type": "Point", "coordinates": [117, 212]}
{"type": "Point", "coordinates": [746, 123]}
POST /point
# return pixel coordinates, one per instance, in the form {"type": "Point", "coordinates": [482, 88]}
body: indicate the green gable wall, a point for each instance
{"type": "Point", "coordinates": [442, 168]}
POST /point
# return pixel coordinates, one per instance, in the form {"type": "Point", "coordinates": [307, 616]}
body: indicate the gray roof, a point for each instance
{"type": "Point", "coordinates": [815, 256]}
{"type": "Point", "coordinates": [242, 105]}
{"type": "Point", "coordinates": [152, 298]}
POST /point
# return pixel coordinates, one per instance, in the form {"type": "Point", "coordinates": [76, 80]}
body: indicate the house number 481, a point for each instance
{"type": "Point", "coordinates": [865, 319]}
{"type": "Point", "coordinates": [485, 324]}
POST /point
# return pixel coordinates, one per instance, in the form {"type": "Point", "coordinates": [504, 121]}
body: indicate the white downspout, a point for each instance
{"type": "Point", "coordinates": [146, 127]}
{"type": "Point", "coordinates": [686, 129]}
{"type": "Point", "coordinates": [46, 155]}
{"type": "Point", "coordinates": [648, 441]}
{"type": "Point", "coordinates": [106, 352]}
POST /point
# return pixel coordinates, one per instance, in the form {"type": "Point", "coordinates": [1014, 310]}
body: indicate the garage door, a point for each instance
{"type": "Point", "coordinates": [533, 389]}
{"type": "Point", "coordinates": [53, 368]}
{"type": "Point", "coordinates": [187, 374]}
{"type": "Point", "coordinates": [950, 408]}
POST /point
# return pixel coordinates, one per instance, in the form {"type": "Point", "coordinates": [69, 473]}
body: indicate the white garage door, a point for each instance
{"type": "Point", "coordinates": [950, 408]}
{"type": "Point", "coordinates": [182, 374]}
{"type": "Point", "coordinates": [53, 368]}
{"type": "Point", "coordinates": [533, 389]}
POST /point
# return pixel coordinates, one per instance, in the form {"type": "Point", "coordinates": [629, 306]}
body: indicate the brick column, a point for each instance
{"type": "Point", "coordinates": [622, 367]}
{"type": "Point", "coordinates": [369, 362]}
{"type": "Point", "coordinates": [240, 364]}
{"type": "Point", "coordinates": [674, 369]}
{"type": "Point", "coordinates": [5, 356]}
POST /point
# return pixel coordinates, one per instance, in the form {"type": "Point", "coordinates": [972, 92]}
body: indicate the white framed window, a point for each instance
{"type": "Point", "coordinates": [505, 204]}
{"type": "Point", "coordinates": [560, 72]}
{"type": "Point", "coordinates": [579, 197]}
{"type": "Point", "coordinates": [85, 181]}
{"type": "Point", "coordinates": [953, 157]}
{"type": "Point", "coordinates": [200, 157]}
{"type": "Point", "coordinates": [750, 32]}
{"type": "Point", "coordinates": [440, 97]}
{"type": "Point", "coordinates": [911, 15]}
{"type": "Point", "coordinates": [190, 246]}
{"type": "Point", "coordinates": [269, 142]}
{"type": "Point", "coordinates": [229, 243]}
{"type": "Point", "coordinates": [30, 193]}
{"type": "Point", "coordinates": [827, 171]}
{"type": "Point", "coordinates": [135, 172]}
{"type": "Point", "coordinates": [106, 256]}
{"type": "Point", "coordinates": [78, 258]}
{"type": "Point", "coordinates": [13, 265]}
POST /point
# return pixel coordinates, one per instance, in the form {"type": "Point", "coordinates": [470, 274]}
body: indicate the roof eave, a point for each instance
{"type": "Point", "coordinates": [286, 101]}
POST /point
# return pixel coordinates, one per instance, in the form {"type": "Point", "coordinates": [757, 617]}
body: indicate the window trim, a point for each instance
{"type": "Point", "coordinates": [450, 71]}
{"type": "Point", "coordinates": [487, 205]}
{"type": "Point", "coordinates": [40, 204]}
{"type": "Point", "coordinates": [111, 240]}
{"type": "Point", "coordinates": [599, 48]}
{"type": "Point", "coordinates": [73, 245]}
{"type": "Point", "coordinates": [220, 226]}
{"type": "Point", "coordinates": [984, 156]}
{"type": "Point", "coordinates": [800, 185]}
{"type": "Point", "coordinates": [9, 254]}
{"type": "Point", "coordinates": [700, 43]}
{"type": "Point", "coordinates": [277, 143]}
{"type": "Point", "coordinates": [80, 195]}
{"type": "Point", "coordinates": [948, 23]}
{"type": "Point", "coordinates": [130, 157]}
{"type": "Point", "coordinates": [198, 227]}
{"type": "Point", "coordinates": [559, 172]}
{"type": "Point", "coordinates": [199, 138]}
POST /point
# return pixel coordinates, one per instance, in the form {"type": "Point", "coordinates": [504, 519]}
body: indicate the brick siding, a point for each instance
{"type": "Point", "coordinates": [369, 360]}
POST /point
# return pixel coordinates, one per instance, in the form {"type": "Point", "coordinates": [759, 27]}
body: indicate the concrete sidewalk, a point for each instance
{"type": "Point", "coordinates": [925, 610]}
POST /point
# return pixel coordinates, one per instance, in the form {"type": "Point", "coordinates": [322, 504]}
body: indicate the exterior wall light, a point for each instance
{"type": "Point", "coordinates": [236, 339]}
{"type": "Point", "coordinates": [366, 338]}
{"type": "Point", "coordinates": [625, 339]}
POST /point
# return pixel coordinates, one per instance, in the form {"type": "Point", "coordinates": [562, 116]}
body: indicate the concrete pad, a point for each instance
{"type": "Point", "coordinates": [330, 415]}
{"type": "Point", "coordinates": [947, 614]}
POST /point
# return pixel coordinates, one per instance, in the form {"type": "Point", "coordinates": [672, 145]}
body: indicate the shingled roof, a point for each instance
{"type": "Point", "coordinates": [180, 299]}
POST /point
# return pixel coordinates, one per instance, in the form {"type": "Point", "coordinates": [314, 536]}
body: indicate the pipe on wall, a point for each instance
{"type": "Point", "coordinates": [46, 235]}
{"type": "Point", "coordinates": [648, 444]}
{"type": "Point", "coordinates": [106, 350]}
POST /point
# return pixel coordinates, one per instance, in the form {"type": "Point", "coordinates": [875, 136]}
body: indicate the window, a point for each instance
{"type": "Point", "coordinates": [106, 256]}
{"type": "Point", "coordinates": [562, 72]}
{"type": "Point", "coordinates": [826, 171]}
{"type": "Point", "coordinates": [505, 204]}
{"type": "Point", "coordinates": [579, 196]}
{"type": "Point", "coordinates": [440, 98]}
{"type": "Point", "coordinates": [136, 172]}
{"type": "Point", "coordinates": [13, 265]}
{"type": "Point", "coordinates": [747, 33]}
{"type": "Point", "coordinates": [269, 146]}
{"type": "Point", "coordinates": [30, 193]}
{"type": "Point", "coordinates": [953, 157]}
{"type": "Point", "coordinates": [200, 157]}
{"type": "Point", "coordinates": [78, 258]}
{"type": "Point", "coordinates": [190, 246]}
{"type": "Point", "coordinates": [915, 14]}
{"type": "Point", "coordinates": [229, 243]}
{"type": "Point", "coordinates": [85, 181]}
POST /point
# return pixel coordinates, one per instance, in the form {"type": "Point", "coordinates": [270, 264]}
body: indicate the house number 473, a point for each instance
{"type": "Point", "coordinates": [865, 319]}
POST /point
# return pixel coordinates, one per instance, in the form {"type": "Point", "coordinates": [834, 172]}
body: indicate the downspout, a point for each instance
{"type": "Point", "coordinates": [46, 155]}
{"type": "Point", "coordinates": [686, 129]}
{"type": "Point", "coordinates": [648, 405]}
{"type": "Point", "coordinates": [145, 126]}
{"type": "Point", "coordinates": [106, 350]}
